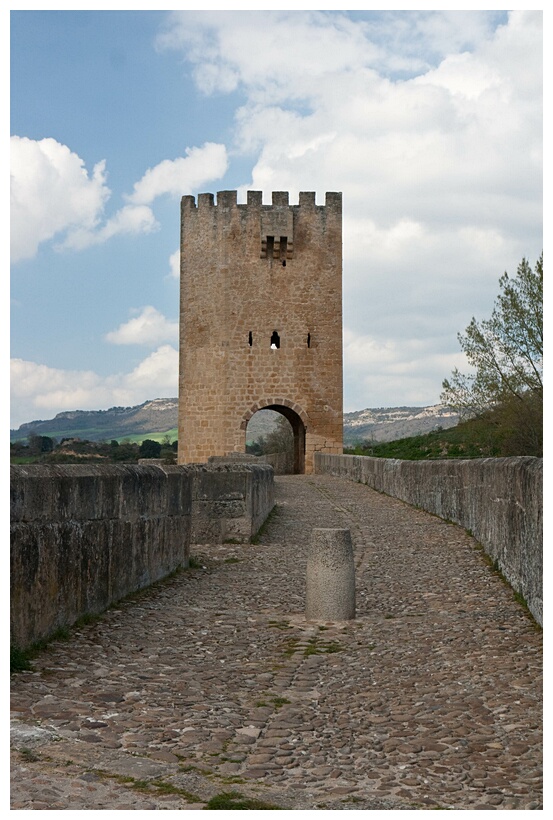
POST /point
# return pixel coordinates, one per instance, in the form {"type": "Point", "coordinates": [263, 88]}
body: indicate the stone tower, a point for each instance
{"type": "Point", "coordinates": [260, 322]}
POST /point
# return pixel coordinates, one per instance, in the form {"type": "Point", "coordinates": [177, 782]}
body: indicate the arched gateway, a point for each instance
{"type": "Point", "coordinates": [260, 322]}
{"type": "Point", "coordinates": [298, 421]}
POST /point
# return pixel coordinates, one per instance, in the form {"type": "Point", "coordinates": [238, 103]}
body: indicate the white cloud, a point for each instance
{"type": "Point", "coordinates": [174, 264]}
{"type": "Point", "coordinates": [266, 51]}
{"type": "Point", "coordinates": [149, 327]}
{"type": "Point", "coordinates": [159, 371]}
{"type": "Point", "coordinates": [286, 54]}
{"type": "Point", "coordinates": [131, 219]}
{"type": "Point", "coordinates": [38, 391]}
{"type": "Point", "coordinates": [455, 143]}
{"type": "Point", "coordinates": [376, 370]}
{"type": "Point", "coordinates": [51, 193]}
{"type": "Point", "coordinates": [54, 197]}
{"type": "Point", "coordinates": [182, 174]}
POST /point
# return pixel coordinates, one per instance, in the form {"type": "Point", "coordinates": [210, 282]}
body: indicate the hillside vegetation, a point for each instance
{"type": "Point", "coordinates": [484, 437]}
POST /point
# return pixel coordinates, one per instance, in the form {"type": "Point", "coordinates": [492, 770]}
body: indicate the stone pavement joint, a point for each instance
{"type": "Point", "coordinates": [214, 681]}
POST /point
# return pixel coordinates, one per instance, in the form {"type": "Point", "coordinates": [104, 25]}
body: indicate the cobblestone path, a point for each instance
{"type": "Point", "coordinates": [213, 682]}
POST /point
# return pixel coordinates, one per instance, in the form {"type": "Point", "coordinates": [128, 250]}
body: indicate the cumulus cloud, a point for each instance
{"type": "Point", "coordinates": [283, 55]}
{"type": "Point", "coordinates": [39, 391]}
{"type": "Point", "coordinates": [158, 371]}
{"type": "Point", "coordinates": [54, 197]}
{"type": "Point", "coordinates": [182, 174]}
{"type": "Point", "coordinates": [131, 219]}
{"type": "Point", "coordinates": [272, 53]}
{"type": "Point", "coordinates": [174, 264]}
{"type": "Point", "coordinates": [149, 327]}
{"type": "Point", "coordinates": [376, 369]}
{"type": "Point", "coordinates": [453, 143]}
{"type": "Point", "coordinates": [51, 193]}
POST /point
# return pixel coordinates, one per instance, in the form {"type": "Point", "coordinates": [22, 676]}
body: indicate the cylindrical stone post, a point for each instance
{"type": "Point", "coordinates": [330, 593]}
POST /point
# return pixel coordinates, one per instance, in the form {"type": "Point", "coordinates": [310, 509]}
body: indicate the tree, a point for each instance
{"type": "Point", "coordinates": [150, 449]}
{"type": "Point", "coordinates": [40, 444]}
{"type": "Point", "coordinates": [281, 438]}
{"type": "Point", "coordinates": [506, 352]}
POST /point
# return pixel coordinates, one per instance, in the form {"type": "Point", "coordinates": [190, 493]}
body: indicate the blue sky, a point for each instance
{"type": "Point", "coordinates": [429, 122]}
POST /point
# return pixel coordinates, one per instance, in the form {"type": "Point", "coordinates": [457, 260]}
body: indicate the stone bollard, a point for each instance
{"type": "Point", "coordinates": [330, 593]}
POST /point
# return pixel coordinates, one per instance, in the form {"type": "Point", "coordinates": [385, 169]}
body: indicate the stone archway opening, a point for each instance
{"type": "Point", "coordinates": [278, 433]}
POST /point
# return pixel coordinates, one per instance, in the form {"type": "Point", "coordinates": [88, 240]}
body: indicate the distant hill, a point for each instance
{"type": "Point", "coordinates": [160, 415]}
{"type": "Point", "coordinates": [391, 423]}
{"type": "Point", "coordinates": [156, 416]}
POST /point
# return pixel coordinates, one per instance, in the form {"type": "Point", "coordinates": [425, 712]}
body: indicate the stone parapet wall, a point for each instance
{"type": "Point", "coordinates": [500, 500]}
{"type": "Point", "coordinates": [230, 501]}
{"type": "Point", "coordinates": [83, 537]}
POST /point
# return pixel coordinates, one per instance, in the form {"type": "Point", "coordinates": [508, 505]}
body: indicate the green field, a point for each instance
{"type": "Point", "coordinates": [140, 437]}
{"type": "Point", "coordinates": [92, 434]}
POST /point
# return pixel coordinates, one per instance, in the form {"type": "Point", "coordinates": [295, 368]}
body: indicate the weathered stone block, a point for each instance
{"type": "Point", "coordinates": [330, 585]}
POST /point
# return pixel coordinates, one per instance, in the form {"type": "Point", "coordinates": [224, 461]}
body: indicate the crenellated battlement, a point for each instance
{"type": "Point", "coordinates": [279, 199]}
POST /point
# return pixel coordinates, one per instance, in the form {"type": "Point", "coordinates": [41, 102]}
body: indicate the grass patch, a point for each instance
{"type": "Point", "coordinates": [290, 647]}
{"type": "Point", "coordinates": [86, 620]}
{"type": "Point", "coordinates": [28, 755]}
{"type": "Point", "coordinates": [315, 646]}
{"type": "Point", "coordinates": [279, 625]}
{"type": "Point", "coordinates": [272, 700]}
{"type": "Point", "coordinates": [150, 786]}
{"type": "Point", "coordinates": [62, 633]}
{"type": "Point", "coordinates": [278, 702]}
{"type": "Point", "coordinates": [227, 801]}
{"type": "Point", "coordinates": [20, 660]}
{"type": "Point", "coordinates": [138, 438]}
{"type": "Point", "coordinates": [232, 560]}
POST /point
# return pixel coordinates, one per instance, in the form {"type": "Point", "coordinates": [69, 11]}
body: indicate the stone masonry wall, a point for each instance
{"type": "Point", "coordinates": [83, 537]}
{"type": "Point", "coordinates": [230, 502]}
{"type": "Point", "coordinates": [249, 274]}
{"type": "Point", "coordinates": [498, 499]}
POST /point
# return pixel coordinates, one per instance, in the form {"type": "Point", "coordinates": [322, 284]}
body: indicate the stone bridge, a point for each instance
{"type": "Point", "coordinates": [213, 682]}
